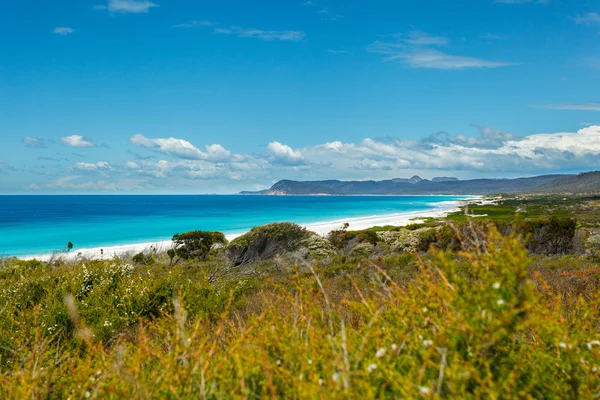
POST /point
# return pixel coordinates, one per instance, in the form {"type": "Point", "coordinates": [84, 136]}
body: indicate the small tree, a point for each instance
{"type": "Point", "coordinates": [70, 246]}
{"type": "Point", "coordinates": [195, 245]}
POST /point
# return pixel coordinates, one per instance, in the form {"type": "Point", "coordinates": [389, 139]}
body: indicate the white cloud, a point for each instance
{"type": "Point", "coordinates": [247, 169]}
{"type": "Point", "coordinates": [34, 143]}
{"type": "Point", "coordinates": [195, 24]}
{"type": "Point", "coordinates": [292, 36]}
{"type": "Point", "coordinates": [183, 149]}
{"type": "Point", "coordinates": [5, 167]}
{"type": "Point", "coordinates": [63, 30]}
{"type": "Point", "coordinates": [101, 165]}
{"type": "Point", "coordinates": [420, 38]}
{"type": "Point", "coordinates": [493, 151]}
{"type": "Point", "coordinates": [132, 165]}
{"type": "Point", "coordinates": [284, 154]}
{"type": "Point", "coordinates": [418, 49]}
{"type": "Point", "coordinates": [77, 141]}
{"type": "Point", "coordinates": [588, 19]}
{"type": "Point", "coordinates": [490, 152]}
{"type": "Point", "coordinates": [127, 6]}
{"type": "Point", "coordinates": [439, 60]}
{"type": "Point", "coordinates": [591, 106]}
{"type": "Point", "coordinates": [431, 58]}
{"type": "Point", "coordinates": [71, 182]}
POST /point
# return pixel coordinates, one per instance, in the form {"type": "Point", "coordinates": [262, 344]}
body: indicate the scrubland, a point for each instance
{"type": "Point", "coordinates": [498, 306]}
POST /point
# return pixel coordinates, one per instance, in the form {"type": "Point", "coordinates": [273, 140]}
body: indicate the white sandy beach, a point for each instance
{"type": "Point", "coordinates": [322, 228]}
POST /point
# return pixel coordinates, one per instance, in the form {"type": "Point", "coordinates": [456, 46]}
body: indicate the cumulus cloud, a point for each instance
{"type": "Point", "coordinates": [487, 152]}
{"type": "Point", "coordinates": [183, 149]}
{"type": "Point", "coordinates": [34, 143]}
{"type": "Point", "coordinates": [249, 169]}
{"type": "Point", "coordinates": [77, 141]}
{"type": "Point", "coordinates": [290, 36]}
{"type": "Point", "coordinates": [63, 30]}
{"type": "Point", "coordinates": [283, 154]}
{"type": "Point", "coordinates": [419, 49]}
{"type": "Point", "coordinates": [127, 6]}
{"type": "Point", "coordinates": [101, 165]}
{"type": "Point", "coordinates": [132, 165]}
{"type": "Point", "coordinates": [492, 151]}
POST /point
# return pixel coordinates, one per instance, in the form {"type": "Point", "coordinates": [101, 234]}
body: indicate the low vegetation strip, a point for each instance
{"type": "Point", "coordinates": [453, 308]}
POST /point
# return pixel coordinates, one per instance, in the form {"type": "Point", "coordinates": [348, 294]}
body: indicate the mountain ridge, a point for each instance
{"type": "Point", "coordinates": [419, 186]}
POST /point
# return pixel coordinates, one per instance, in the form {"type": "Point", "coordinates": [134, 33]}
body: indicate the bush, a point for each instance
{"type": "Point", "coordinates": [265, 242]}
{"type": "Point", "coordinates": [196, 245]}
{"type": "Point", "coordinates": [143, 259]}
{"type": "Point", "coordinates": [549, 236]}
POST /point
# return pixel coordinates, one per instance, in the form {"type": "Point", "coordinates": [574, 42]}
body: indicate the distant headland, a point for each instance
{"type": "Point", "coordinates": [588, 182]}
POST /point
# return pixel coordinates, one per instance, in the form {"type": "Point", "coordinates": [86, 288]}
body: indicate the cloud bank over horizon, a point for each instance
{"type": "Point", "coordinates": [174, 165]}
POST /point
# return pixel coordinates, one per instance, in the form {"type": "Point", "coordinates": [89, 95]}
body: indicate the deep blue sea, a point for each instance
{"type": "Point", "coordinates": [31, 225]}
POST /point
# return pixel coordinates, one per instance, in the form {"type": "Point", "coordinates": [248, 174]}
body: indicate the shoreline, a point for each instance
{"type": "Point", "coordinates": [321, 228]}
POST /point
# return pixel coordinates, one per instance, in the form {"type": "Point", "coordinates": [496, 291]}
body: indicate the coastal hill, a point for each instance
{"type": "Point", "coordinates": [588, 182]}
{"type": "Point", "coordinates": [418, 186]}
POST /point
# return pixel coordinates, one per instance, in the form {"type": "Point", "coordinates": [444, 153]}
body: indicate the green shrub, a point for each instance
{"type": "Point", "coordinates": [143, 259]}
{"type": "Point", "coordinates": [554, 235]}
{"type": "Point", "coordinates": [196, 245]}
{"type": "Point", "coordinates": [265, 242]}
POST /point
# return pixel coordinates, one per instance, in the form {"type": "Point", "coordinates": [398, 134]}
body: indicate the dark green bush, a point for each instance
{"type": "Point", "coordinates": [265, 242]}
{"type": "Point", "coordinates": [549, 236]}
{"type": "Point", "coordinates": [143, 259]}
{"type": "Point", "coordinates": [196, 245]}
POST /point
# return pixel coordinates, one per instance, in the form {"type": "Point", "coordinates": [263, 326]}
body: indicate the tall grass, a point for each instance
{"type": "Point", "coordinates": [476, 324]}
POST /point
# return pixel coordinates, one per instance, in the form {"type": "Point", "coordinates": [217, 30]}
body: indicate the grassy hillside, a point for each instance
{"type": "Point", "coordinates": [431, 310]}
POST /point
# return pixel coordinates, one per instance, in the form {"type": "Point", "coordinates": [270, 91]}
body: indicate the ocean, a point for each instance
{"type": "Point", "coordinates": [32, 225]}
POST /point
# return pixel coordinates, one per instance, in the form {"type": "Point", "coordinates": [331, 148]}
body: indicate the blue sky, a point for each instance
{"type": "Point", "coordinates": [219, 96]}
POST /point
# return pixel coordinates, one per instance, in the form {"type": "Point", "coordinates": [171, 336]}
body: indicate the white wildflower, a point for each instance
{"type": "Point", "coordinates": [425, 309]}
{"type": "Point", "coordinates": [278, 362]}
{"type": "Point", "coordinates": [336, 377]}
{"type": "Point", "coordinates": [427, 343]}
{"type": "Point", "coordinates": [562, 345]}
{"type": "Point", "coordinates": [321, 382]}
{"type": "Point", "coordinates": [380, 353]}
{"type": "Point", "coordinates": [309, 362]}
{"type": "Point", "coordinates": [501, 302]}
{"type": "Point", "coordinates": [496, 285]}
{"type": "Point", "coordinates": [593, 343]}
{"type": "Point", "coordinates": [371, 367]}
{"type": "Point", "coordinates": [424, 390]}
{"type": "Point", "coordinates": [394, 347]}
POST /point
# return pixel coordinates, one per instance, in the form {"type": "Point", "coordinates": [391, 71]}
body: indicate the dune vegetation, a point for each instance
{"type": "Point", "coordinates": [497, 306]}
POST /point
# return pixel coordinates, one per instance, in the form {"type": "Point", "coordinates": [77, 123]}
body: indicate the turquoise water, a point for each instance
{"type": "Point", "coordinates": [32, 225]}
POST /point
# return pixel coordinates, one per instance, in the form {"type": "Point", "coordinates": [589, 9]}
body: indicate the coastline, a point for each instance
{"type": "Point", "coordinates": [321, 228]}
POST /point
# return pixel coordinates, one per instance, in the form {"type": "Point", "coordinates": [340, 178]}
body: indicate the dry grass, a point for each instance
{"type": "Point", "coordinates": [475, 325]}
